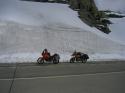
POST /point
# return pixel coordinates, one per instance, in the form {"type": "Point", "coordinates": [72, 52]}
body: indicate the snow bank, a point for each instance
{"type": "Point", "coordinates": [107, 57]}
{"type": "Point", "coordinates": [19, 57]}
{"type": "Point", "coordinates": [26, 28]}
{"type": "Point", "coordinates": [23, 43]}
{"type": "Point", "coordinates": [32, 57]}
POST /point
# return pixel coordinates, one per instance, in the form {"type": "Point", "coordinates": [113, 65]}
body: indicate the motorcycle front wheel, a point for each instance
{"type": "Point", "coordinates": [40, 60]}
{"type": "Point", "coordinates": [72, 60]}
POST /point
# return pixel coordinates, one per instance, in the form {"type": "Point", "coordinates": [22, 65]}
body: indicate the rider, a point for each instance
{"type": "Point", "coordinates": [45, 54]}
{"type": "Point", "coordinates": [77, 54]}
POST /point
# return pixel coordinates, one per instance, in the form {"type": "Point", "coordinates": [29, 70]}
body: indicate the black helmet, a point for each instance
{"type": "Point", "coordinates": [45, 49]}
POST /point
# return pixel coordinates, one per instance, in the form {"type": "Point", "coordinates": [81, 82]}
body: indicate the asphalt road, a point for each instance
{"type": "Point", "coordinates": [104, 77]}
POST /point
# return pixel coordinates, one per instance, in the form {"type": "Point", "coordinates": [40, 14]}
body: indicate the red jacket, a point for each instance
{"type": "Point", "coordinates": [46, 55]}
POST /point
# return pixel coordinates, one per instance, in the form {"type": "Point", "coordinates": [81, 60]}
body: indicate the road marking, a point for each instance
{"type": "Point", "coordinates": [63, 76]}
{"type": "Point", "coordinates": [6, 79]}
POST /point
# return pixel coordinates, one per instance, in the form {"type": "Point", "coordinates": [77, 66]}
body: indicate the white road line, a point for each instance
{"type": "Point", "coordinates": [63, 76]}
{"type": "Point", "coordinates": [9, 79]}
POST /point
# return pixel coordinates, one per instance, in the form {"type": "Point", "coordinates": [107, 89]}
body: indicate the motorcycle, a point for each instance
{"type": "Point", "coordinates": [54, 58]}
{"type": "Point", "coordinates": [76, 57]}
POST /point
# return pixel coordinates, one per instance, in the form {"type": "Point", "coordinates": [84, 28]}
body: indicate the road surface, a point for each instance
{"type": "Point", "coordinates": [100, 77]}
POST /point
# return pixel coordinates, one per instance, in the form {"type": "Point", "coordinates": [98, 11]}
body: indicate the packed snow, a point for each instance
{"type": "Point", "coordinates": [26, 28]}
